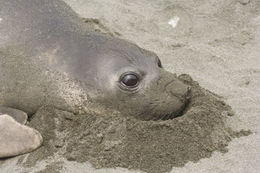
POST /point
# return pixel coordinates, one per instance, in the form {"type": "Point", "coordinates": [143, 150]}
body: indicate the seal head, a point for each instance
{"type": "Point", "coordinates": [53, 51]}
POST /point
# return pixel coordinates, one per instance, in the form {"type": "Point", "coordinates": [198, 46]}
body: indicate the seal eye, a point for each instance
{"type": "Point", "coordinates": [130, 80]}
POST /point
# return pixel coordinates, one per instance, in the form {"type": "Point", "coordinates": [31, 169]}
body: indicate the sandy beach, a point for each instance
{"type": "Point", "coordinates": [216, 42]}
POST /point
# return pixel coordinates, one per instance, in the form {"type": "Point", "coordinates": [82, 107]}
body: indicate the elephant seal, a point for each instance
{"type": "Point", "coordinates": [49, 57]}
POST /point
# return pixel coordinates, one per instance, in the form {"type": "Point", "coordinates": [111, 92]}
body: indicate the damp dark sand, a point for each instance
{"type": "Point", "coordinates": [112, 140]}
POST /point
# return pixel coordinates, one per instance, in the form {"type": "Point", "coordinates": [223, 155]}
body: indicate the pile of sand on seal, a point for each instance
{"type": "Point", "coordinates": [113, 140]}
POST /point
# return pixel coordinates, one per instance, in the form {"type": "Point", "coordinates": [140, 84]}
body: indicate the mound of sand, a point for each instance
{"type": "Point", "coordinates": [113, 140]}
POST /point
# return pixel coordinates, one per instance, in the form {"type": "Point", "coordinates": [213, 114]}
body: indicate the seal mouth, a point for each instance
{"type": "Point", "coordinates": [178, 114]}
{"type": "Point", "coordinates": [181, 112]}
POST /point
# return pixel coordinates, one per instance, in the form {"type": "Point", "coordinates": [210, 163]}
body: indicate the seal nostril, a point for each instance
{"type": "Point", "coordinates": [159, 63]}
{"type": "Point", "coordinates": [188, 94]}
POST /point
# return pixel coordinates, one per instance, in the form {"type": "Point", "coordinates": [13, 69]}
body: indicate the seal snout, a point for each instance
{"type": "Point", "coordinates": [179, 90]}
{"type": "Point", "coordinates": [181, 95]}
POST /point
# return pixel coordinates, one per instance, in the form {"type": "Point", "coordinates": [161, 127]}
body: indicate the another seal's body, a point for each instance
{"type": "Point", "coordinates": [48, 57]}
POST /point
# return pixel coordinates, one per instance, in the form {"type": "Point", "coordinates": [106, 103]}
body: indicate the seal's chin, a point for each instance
{"type": "Point", "coordinates": [177, 114]}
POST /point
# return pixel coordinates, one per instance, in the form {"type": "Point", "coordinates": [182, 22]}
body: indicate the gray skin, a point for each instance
{"type": "Point", "coordinates": [49, 57]}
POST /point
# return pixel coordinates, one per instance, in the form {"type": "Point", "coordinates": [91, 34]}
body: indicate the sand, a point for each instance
{"type": "Point", "coordinates": [110, 139]}
{"type": "Point", "coordinates": [217, 43]}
